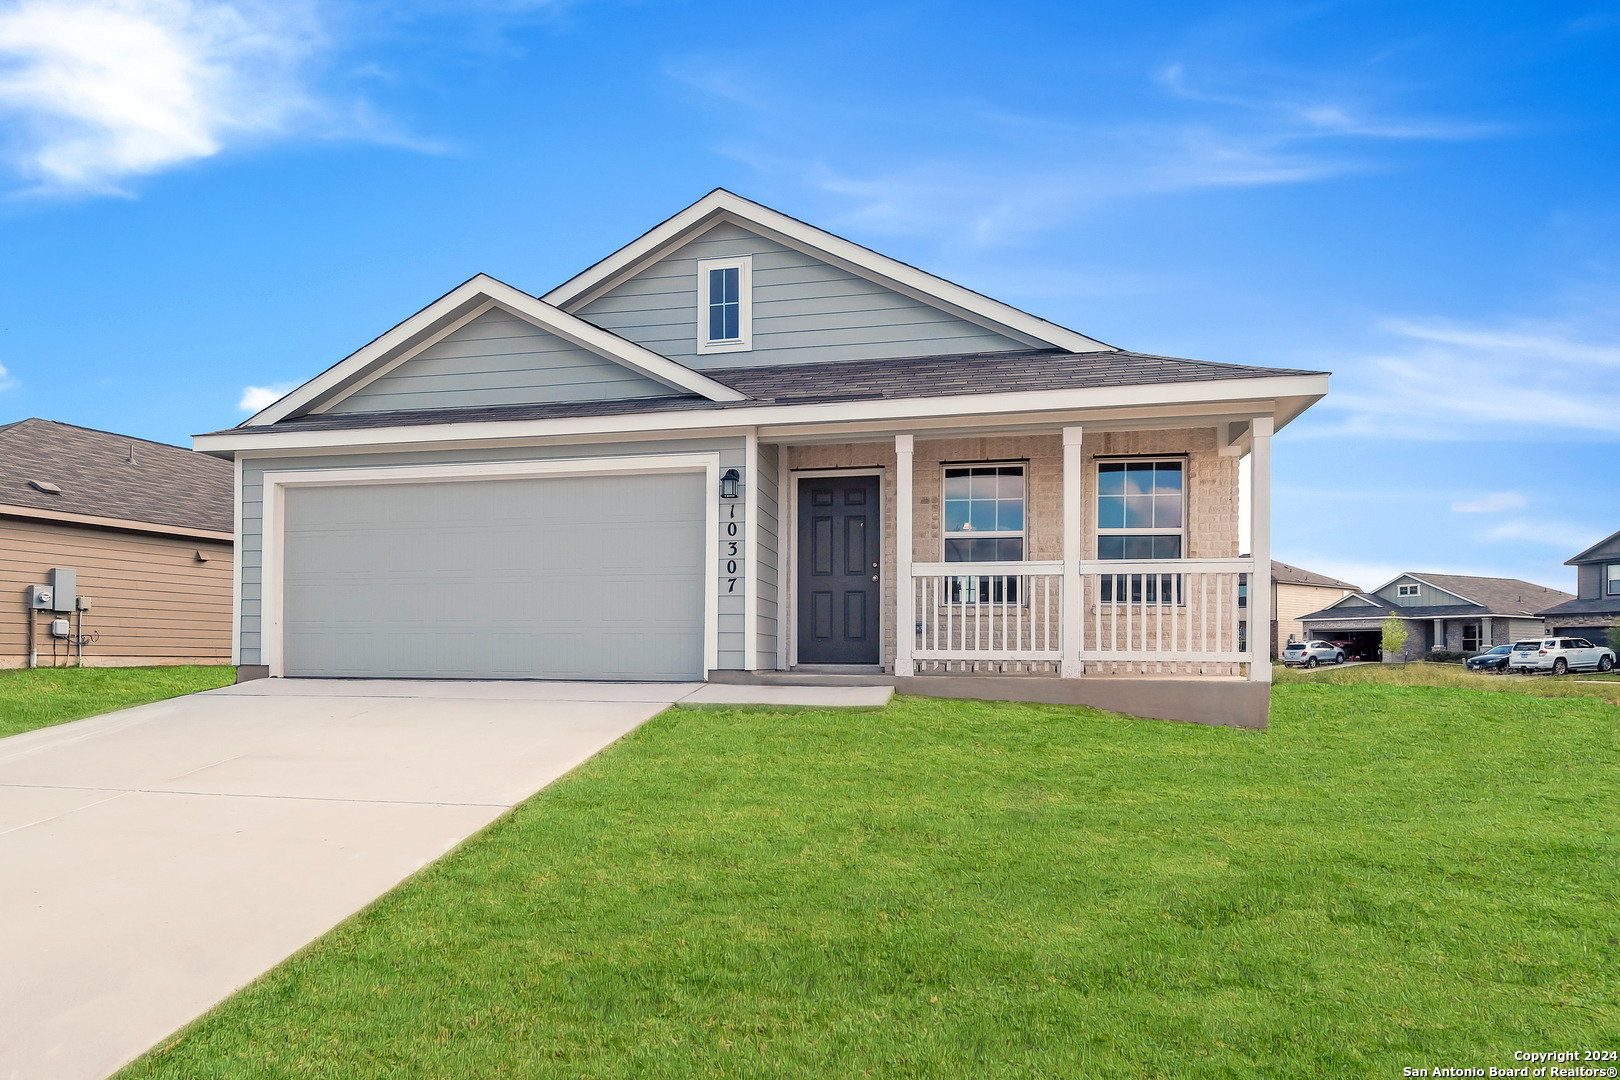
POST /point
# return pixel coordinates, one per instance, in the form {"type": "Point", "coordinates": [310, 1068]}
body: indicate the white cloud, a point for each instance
{"type": "Point", "coordinates": [1490, 504]}
{"type": "Point", "coordinates": [1558, 535]}
{"type": "Point", "coordinates": [102, 90]}
{"type": "Point", "coordinates": [1450, 382]}
{"type": "Point", "coordinates": [6, 381]}
{"type": "Point", "coordinates": [256, 398]}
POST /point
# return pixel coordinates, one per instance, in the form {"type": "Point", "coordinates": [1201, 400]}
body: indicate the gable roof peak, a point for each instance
{"type": "Point", "coordinates": [721, 205]}
{"type": "Point", "coordinates": [473, 297]}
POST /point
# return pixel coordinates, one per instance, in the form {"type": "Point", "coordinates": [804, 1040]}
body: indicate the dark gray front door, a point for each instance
{"type": "Point", "coordinates": [839, 544]}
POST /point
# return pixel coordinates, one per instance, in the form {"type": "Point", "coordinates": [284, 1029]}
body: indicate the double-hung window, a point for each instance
{"type": "Point", "coordinates": [725, 312]}
{"type": "Point", "coordinates": [1611, 584]}
{"type": "Point", "coordinates": [984, 522]}
{"type": "Point", "coordinates": [1142, 514]}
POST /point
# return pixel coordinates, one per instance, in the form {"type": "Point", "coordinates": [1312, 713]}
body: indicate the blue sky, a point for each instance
{"type": "Point", "coordinates": [199, 198]}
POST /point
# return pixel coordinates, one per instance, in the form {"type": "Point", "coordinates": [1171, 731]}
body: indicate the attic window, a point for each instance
{"type": "Point", "coordinates": [725, 305]}
{"type": "Point", "coordinates": [46, 486]}
{"type": "Point", "coordinates": [1406, 590]}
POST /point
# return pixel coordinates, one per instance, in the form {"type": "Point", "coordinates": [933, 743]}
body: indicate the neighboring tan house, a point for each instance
{"type": "Point", "coordinates": [1296, 592]}
{"type": "Point", "coordinates": [743, 448]}
{"type": "Point", "coordinates": [1596, 606]}
{"type": "Point", "coordinates": [1442, 612]}
{"type": "Point", "coordinates": [144, 530]}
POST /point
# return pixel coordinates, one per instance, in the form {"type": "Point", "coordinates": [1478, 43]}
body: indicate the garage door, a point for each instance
{"type": "Point", "coordinates": [591, 577]}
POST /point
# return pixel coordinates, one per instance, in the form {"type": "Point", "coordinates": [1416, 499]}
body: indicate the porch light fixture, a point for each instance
{"type": "Point", "coordinates": [728, 484]}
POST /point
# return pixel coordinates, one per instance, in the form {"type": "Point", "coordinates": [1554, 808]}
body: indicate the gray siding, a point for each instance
{"type": "Point", "coordinates": [805, 311]}
{"type": "Point", "coordinates": [500, 359]}
{"type": "Point", "coordinates": [1589, 580]}
{"type": "Point", "coordinates": [1428, 596]}
{"type": "Point", "coordinates": [251, 543]}
{"type": "Point", "coordinates": [767, 481]}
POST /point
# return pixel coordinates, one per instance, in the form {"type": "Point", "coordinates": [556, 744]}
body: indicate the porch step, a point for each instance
{"type": "Point", "coordinates": [801, 678]}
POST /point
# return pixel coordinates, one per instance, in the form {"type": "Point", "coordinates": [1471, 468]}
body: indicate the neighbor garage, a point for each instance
{"type": "Point", "coordinates": [567, 577]}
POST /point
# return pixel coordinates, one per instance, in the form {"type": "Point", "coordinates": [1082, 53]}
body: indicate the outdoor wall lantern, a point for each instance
{"type": "Point", "coordinates": [728, 484]}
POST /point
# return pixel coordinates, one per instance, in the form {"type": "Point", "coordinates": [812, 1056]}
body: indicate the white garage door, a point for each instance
{"type": "Point", "coordinates": [588, 577]}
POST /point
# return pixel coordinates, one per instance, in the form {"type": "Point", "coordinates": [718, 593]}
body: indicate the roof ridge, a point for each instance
{"type": "Point", "coordinates": [95, 431]}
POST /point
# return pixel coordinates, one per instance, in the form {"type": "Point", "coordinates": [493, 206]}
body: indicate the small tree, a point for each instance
{"type": "Point", "coordinates": [1614, 638]}
{"type": "Point", "coordinates": [1394, 635]}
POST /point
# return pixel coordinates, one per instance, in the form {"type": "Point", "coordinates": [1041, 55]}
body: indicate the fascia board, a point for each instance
{"type": "Point", "coordinates": [352, 372]}
{"type": "Point", "coordinates": [918, 284]}
{"type": "Point", "coordinates": [121, 524]}
{"type": "Point", "coordinates": [964, 405]}
{"type": "Point", "coordinates": [1586, 556]}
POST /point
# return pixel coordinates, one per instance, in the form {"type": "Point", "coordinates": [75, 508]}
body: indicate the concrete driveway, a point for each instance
{"type": "Point", "coordinates": [156, 859]}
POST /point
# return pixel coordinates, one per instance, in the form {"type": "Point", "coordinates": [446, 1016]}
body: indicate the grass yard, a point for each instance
{"type": "Point", "coordinates": [41, 697]}
{"type": "Point", "coordinates": [1391, 876]}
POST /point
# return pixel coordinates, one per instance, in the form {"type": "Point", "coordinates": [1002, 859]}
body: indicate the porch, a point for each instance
{"type": "Point", "coordinates": [960, 618]}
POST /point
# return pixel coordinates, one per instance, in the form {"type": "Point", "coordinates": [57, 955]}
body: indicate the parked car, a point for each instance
{"type": "Point", "coordinates": [1491, 660]}
{"type": "Point", "coordinates": [1559, 655]}
{"type": "Point", "coordinates": [1311, 653]}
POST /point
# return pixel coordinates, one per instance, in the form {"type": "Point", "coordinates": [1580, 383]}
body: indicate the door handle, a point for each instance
{"type": "Point", "coordinates": [874, 577]}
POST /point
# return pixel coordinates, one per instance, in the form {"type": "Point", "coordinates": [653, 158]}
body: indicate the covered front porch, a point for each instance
{"type": "Point", "coordinates": [1102, 564]}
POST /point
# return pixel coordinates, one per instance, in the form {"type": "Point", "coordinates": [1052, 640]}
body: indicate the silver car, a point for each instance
{"type": "Point", "coordinates": [1559, 655]}
{"type": "Point", "coordinates": [1311, 653]}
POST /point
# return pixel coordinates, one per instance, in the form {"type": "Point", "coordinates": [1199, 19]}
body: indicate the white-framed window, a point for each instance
{"type": "Point", "coordinates": [1611, 584]}
{"type": "Point", "coordinates": [986, 518]}
{"type": "Point", "coordinates": [725, 314]}
{"type": "Point", "coordinates": [1142, 514]}
{"type": "Point", "coordinates": [1406, 590]}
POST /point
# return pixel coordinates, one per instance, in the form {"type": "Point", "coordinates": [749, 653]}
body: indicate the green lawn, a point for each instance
{"type": "Point", "coordinates": [1390, 876]}
{"type": "Point", "coordinates": [41, 697]}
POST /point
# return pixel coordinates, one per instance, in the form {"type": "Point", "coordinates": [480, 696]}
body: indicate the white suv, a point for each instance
{"type": "Point", "coordinates": [1310, 653]}
{"type": "Point", "coordinates": [1559, 655]}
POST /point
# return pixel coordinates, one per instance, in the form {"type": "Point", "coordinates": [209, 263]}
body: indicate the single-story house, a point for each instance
{"type": "Point", "coordinates": [1296, 592]}
{"type": "Point", "coordinates": [1449, 612]}
{"type": "Point", "coordinates": [1596, 604]}
{"type": "Point", "coordinates": [743, 448]}
{"type": "Point", "coordinates": [132, 540]}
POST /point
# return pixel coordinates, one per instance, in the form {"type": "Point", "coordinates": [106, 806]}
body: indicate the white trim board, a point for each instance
{"type": "Point", "coordinates": [721, 206]}
{"type": "Point", "coordinates": [274, 521]}
{"type": "Point", "coordinates": [1262, 392]}
{"type": "Point", "coordinates": [454, 309]}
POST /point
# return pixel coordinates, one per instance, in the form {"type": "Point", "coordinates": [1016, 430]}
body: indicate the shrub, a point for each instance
{"type": "Point", "coordinates": [1394, 639]}
{"type": "Point", "coordinates": [1445, 656]}
{"type": "Point", "coordinates": [1614, 637]}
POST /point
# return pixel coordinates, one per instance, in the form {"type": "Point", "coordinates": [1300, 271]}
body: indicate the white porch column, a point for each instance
{"type": "Point", "coordinates": [905, 612]}
{"type": "Point", "coordinates": [1074, 546]}
{"type": "Point", "coordinates": [1260, 544]}
{"type": "Point", "coordinates": [1485, 640]}
{"type": "Point", "coordinates": [1439, 634]}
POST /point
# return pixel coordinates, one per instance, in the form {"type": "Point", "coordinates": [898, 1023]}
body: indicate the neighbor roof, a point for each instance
{"type": "Point", "coordinates": [162, 485]}
{"type": "Point", "coordinates": [847, 380]}
{"type": "Point", "coordinates": [1597, 605]}
{"type": "Point", "coordinates": [1293, 575]}
{"type": "Point", "coordinates": [1488, 596]}
{"type": "Point", "coordinates": [1602, 551]}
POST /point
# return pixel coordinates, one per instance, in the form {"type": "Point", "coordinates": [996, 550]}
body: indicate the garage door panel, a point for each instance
{"type": "Point", "coordinates": [568, 577]}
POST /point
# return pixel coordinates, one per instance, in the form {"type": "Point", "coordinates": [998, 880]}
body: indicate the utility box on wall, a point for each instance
{"type": "Point", "coordinates": [64, 587]}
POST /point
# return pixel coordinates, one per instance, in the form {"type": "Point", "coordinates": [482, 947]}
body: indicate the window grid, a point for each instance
{"type": "Point", "coordinates": [725, 304]}
{"type": "Point", "coordinates": [1141, 514]}
{"type": "Point", "coordinates": [1613, 585]}
{"type": "Point", "coordinates": [985, 512]}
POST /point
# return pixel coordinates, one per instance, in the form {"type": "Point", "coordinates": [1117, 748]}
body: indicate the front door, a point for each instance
{"type": "Point", "coordinates": [839, 544]}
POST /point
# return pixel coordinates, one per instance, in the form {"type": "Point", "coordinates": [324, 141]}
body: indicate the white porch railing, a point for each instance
{"type": "Point", "coordinates": [1174, 610]}
{"type": "Point", "coordinates": [1190, 614]}
{"type": "Point", "coordinates": [988, 611]}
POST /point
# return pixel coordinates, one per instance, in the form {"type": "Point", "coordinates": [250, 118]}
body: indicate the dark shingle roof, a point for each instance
{"type": "Point", "coordinates": [1492, 596]}
{"type": "Point", "coordinates": [1596, 606]}
{"type": "Point", "coordinates": [848, 380]}
{"type": "Point", "coordinates": [164, 485]}
{"type": "Point", "coordinates": [1293, 575]}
